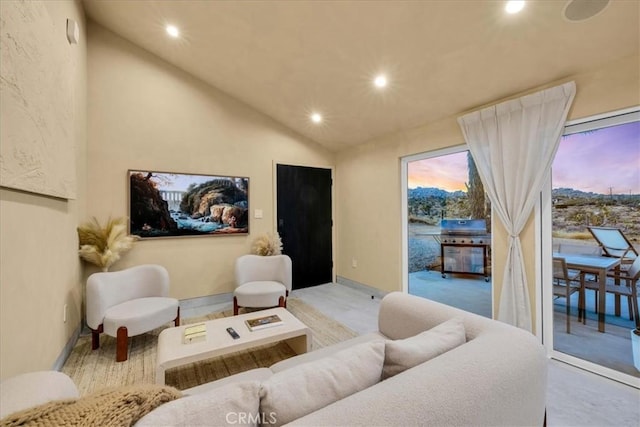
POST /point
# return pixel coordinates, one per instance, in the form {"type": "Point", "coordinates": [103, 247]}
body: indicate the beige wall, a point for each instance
{"type": "Point", "coordinates": [368, 183]}
{"type": "Point", "coordinates": [147, 114]}
{"type": "Point", "coordinates": [40, 269]}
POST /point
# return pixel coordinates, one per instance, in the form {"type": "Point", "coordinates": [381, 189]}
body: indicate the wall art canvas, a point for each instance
{"type": "Point", "coordinates": [37, 153]}
{"type": "Point", "coordinates": [165, 204]}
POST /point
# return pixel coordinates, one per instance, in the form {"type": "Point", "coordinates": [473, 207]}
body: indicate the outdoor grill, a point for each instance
{"type": "Point", "coordinates": [464, 247]}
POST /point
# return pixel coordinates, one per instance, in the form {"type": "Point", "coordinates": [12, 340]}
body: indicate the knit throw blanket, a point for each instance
{"type": "Point", "coordinates": [122, 406]}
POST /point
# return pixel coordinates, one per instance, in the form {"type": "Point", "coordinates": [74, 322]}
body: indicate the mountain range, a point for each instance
{"type": "Point", "coordinates": [574, 194]}
{"type": "Point", "coordinates": [438, 193]}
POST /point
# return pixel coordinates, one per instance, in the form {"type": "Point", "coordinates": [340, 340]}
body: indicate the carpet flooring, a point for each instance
{"type": "Point", "coordinates": [93, 370]}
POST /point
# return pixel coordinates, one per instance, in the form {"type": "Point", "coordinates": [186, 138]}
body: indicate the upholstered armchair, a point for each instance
{"type": "Point", "coordinates": [127, 303]}
{"type": "Point", "coordinates": [262, 281]}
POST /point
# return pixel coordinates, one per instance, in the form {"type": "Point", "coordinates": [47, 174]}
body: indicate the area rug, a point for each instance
{"type": "Point", "coordinates": [93, 370]}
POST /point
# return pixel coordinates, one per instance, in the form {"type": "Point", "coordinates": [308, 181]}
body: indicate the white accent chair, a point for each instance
{"type": "Point", "coordinates": [262, 281]}
{"type": "Point", "coordinates": [127, 303]}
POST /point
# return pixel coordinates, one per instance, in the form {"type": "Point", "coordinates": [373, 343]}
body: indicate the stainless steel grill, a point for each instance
{"type": "Point", "coordinates": [464, 247]}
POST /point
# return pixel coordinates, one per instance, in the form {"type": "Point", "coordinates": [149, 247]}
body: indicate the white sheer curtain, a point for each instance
{"type": "Point", "coordinates": [513, 145]}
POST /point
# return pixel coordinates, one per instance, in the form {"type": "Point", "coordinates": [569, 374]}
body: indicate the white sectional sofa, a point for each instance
{"type": "Point", "coordinates": [429, 364]}
{"type": "Point", "coordinates": [495, 375]}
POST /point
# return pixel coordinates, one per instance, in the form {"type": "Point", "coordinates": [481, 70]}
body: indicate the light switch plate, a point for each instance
{"type": "Point", "coordinates": [257, 213]}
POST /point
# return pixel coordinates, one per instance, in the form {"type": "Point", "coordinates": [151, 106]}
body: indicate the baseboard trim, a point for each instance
{"type": "Point", "coordinates": [206, 300]}
{"type": "Point", "coordinates": [369, 290]}
{"type": "Point", "coordinates": [68, 348]}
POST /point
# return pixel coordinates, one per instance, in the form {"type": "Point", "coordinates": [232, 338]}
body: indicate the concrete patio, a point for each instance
{"type": "Point", "coordinates": [471, 293]}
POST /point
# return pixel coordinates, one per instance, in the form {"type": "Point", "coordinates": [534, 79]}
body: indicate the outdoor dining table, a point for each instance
{"type": "Point", "coordinates": [597, 265]}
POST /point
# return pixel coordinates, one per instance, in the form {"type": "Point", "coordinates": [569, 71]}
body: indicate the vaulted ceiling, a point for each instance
{"type": "Point", "coordinates": [288, 59]}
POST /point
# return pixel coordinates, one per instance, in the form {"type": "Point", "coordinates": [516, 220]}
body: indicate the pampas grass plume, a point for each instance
{"type": "Point", "coordinates": [267, 244]}
{"type": "Point", "coordinates": [103, 245]}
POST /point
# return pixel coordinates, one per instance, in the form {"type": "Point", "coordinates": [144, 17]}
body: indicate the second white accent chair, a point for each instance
{"type": "Point", "coordinates": [129, 302]}
{"type": "Point", "coordinates": [262, 281]}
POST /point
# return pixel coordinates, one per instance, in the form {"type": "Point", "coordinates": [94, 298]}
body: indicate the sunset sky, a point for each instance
{"type": "Point", "coordinates": [595, 161]}
{"type": "Point", "coordinates": [446, 172]}
{"type": "Point", "coordinates": [592, 161]}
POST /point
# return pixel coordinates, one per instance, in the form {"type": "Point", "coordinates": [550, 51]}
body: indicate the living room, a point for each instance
{"type": "Point", "coordinates": [130, 109]}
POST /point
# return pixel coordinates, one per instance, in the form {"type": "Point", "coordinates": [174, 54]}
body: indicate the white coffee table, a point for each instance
{"type": "Point", "coordinates": [172, 352]}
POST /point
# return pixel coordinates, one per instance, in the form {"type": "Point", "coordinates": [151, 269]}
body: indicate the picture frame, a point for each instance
{"type": "Point", "coordinates": [169, 204]}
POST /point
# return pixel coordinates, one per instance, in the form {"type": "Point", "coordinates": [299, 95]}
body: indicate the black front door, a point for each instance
{"type": "Point", "coordinates": [304, 222]}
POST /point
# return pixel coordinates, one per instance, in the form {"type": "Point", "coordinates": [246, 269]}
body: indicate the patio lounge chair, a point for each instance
{"type": "Point", "coordinates": [614, 244]}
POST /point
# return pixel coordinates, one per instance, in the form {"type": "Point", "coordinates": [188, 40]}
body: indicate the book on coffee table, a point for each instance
{"type": "Point", "coordinates": [195, 333]}
{"type": "Point", "coordinates": [263, 322]}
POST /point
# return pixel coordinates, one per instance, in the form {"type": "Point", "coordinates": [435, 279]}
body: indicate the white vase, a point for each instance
{"type": "Point", "coordinates": [635, 345]}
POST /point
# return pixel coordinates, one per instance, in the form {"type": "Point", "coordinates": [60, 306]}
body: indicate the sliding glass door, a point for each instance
{"type": "Point", "coordinates": [447, 226]}
{"type": "Point", "coordinates": [591, 228]}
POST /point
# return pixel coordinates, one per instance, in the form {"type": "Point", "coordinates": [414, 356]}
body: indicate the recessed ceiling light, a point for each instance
{"type": "Point", "coordinates": [514, 6]}
{"type": "Point", "coordinates": [173, 31]}
{"type": "Point", "coordinates": [316, 118]}
{"type": "Point", "coordinates": [380, 81]}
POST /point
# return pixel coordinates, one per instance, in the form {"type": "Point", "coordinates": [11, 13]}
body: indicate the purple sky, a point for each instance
{"type": "Point", "coordinates": [595, 161]}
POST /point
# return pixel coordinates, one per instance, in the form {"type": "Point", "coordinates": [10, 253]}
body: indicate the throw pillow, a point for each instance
{"type": "Point", "coordinates": [232, 404]}
{"type": "Point", "coordinates": [401, 355]}
{"type": "Point", "coordinates": [302, 389]}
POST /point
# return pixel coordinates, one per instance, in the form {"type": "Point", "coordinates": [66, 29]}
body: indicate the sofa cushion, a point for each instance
{"type": "Point", "coordinates": [324, 351]}
{"type": "Point", "coordinates": [257, 374]}
{"type": "Point", "coordinates": [302, 389]}
{"type": "Point", "coordinates": [236, 403]}
{"type": "Point", "coordinates": [260, 294]}
{"type": "Point", "coordinates": [140, 315]}
{"type": "Point", "coordinates": [401, 355]}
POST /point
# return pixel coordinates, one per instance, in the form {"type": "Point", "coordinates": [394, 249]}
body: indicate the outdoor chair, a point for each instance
{"type": "Point", "coordinates": [627, 289]}
{"type": "Point", "coordinates": [614, 244]}
{"type": "Point", "coordinates": [565, 285]}
{"type": "Point", "coordinates": [130, 302]}
{"type": "Point", "coordinates": [262, 281]}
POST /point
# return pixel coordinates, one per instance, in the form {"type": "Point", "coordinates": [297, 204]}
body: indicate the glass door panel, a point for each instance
{"type": "Point", "coordinates": [448, 226]}
{"type": "Point", "coordinates": [595, 202]}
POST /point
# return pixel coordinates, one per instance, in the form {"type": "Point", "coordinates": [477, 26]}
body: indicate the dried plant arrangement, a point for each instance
{"type": "Point", "coordinates": [267, 244]}
{"type": "Point", "coordinates": [103, 245]}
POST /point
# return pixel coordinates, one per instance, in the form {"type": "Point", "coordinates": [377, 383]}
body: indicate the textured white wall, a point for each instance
{"type": "Point", "coordinates": [40, 271]}
{"type": "Point", "coordinates": [37, 93]}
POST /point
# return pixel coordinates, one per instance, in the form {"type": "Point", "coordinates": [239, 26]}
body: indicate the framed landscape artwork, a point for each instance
{"type": "Point", "coordinates": [165, 204]}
